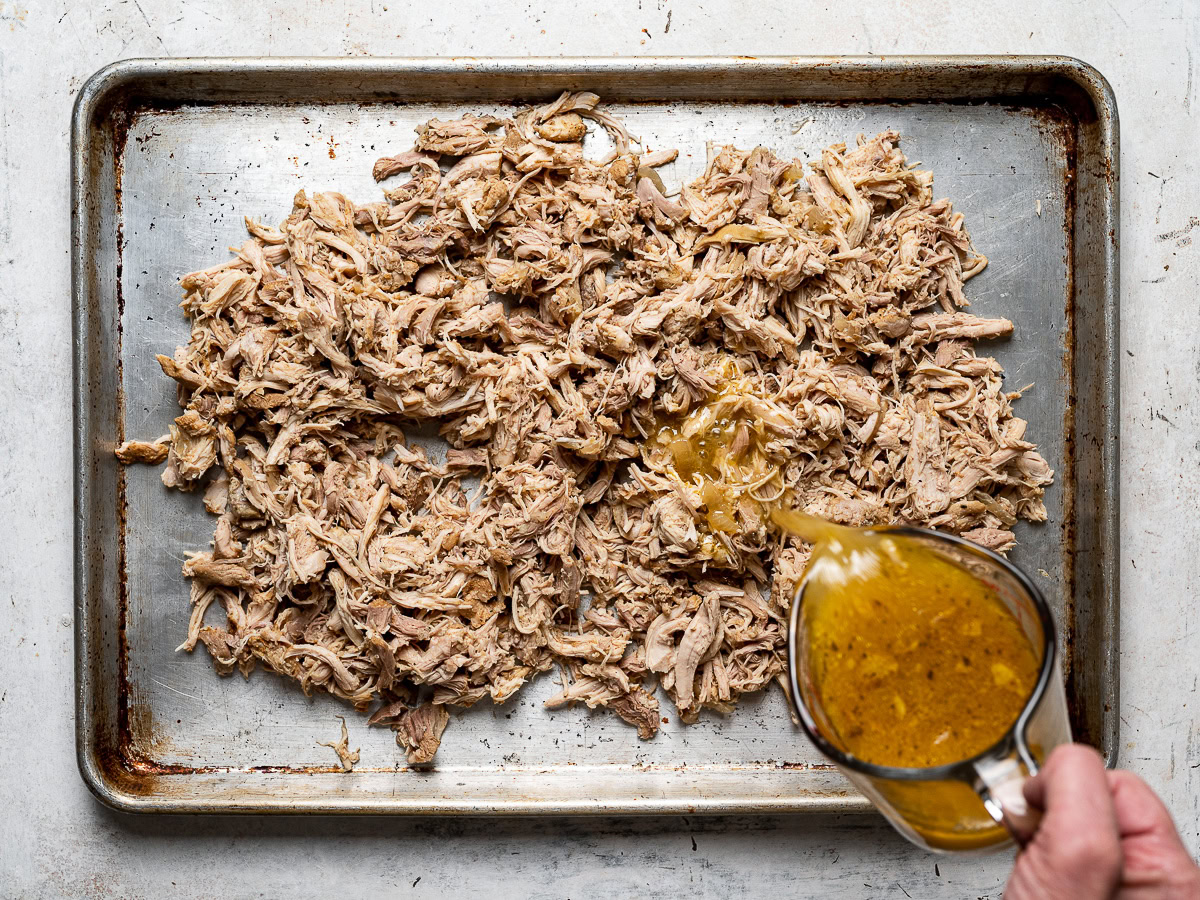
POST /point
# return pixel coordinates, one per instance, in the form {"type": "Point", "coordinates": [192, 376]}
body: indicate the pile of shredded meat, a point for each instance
{"type": "Point", "coordinates": [553, 316]}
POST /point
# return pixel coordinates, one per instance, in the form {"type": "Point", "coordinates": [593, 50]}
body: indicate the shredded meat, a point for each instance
{"type": "Point", "coordinates": [346, 757]}
{"type": "Point", "coordinates": [420, 731]}
{"type": "Point", "coordinates": [152, 452]}
{"type": "Point", "coordinates": [550, 315]}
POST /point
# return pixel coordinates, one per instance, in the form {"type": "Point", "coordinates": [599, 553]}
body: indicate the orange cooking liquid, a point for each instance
{"type": "Point", "coordinates": [721, 448]}
{"type": "Point", "coordinates": [914, 661]}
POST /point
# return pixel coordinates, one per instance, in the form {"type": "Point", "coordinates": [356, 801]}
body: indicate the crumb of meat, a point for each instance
{"type": "Point", "coordinates": [346, 757]}
{"type": "Point", "coordinates": [551, 314]}
{"type": "Point", "coordinates": [149, 452]}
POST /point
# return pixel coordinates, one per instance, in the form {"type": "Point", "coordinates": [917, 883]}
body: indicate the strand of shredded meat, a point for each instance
{"type": "Point", "coordinates": [548, 313]}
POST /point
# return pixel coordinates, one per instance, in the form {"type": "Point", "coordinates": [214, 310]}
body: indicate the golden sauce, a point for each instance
{"type": "Point", "coordinates": [719, 447]}
{"type": "Point", "coordinates": [914, 661]}
{"type": "Point", "coordinates": [704, 456]}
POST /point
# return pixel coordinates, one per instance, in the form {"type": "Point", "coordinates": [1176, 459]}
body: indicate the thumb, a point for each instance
{"type": "Point", "coordinates": [1076, 851]}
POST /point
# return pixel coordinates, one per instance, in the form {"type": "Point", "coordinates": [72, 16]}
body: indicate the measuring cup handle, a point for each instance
{"type": "Point", "coordinates": [1001, 783]}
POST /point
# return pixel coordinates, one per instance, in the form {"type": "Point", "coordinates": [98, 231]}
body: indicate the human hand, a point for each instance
{"type": "Point", "coordinates": [1103, 835]}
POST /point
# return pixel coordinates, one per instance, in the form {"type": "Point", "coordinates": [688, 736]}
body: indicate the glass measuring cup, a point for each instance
{"type": "Point", "coordinates": [975, 803]}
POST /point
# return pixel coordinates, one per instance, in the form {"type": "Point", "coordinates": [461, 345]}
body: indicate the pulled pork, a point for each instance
{"type": "Point", "coordinates": [346, 757]}
{"type": "Point", "coordinates": [553, 316]}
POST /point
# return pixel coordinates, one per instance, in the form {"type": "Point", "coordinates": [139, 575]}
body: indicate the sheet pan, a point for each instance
{"type": "Point", "coordinates": [170, 154]}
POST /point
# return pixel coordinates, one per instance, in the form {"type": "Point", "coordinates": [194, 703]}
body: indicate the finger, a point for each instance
{"type": "Point", "coordinates": [1072, 789]}
{"type": "Point", "coordinates": [1078, 844]}
{"type": "Point", "coordinates": [1155, 857]}
{"type": "Point", "coordinates": [1138, 809]}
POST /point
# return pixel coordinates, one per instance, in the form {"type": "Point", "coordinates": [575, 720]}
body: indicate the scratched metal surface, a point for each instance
{"type": "Point", "coordinates": [159, 730]}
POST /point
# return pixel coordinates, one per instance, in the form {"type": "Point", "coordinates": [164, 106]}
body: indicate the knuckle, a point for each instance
{"type": "Point", "coordinates": [1069, 755]}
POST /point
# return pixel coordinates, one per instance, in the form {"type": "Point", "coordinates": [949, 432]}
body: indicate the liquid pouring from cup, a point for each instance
{"type": "Point", "coordinates": [926, 668]}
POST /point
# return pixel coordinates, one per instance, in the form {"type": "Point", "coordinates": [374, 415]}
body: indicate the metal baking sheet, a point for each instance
{"type": "Point", "coordinates": [170, 154]}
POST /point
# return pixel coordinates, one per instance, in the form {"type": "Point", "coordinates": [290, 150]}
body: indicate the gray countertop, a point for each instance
{"type": "Point", "coordinates": [56, 841]}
